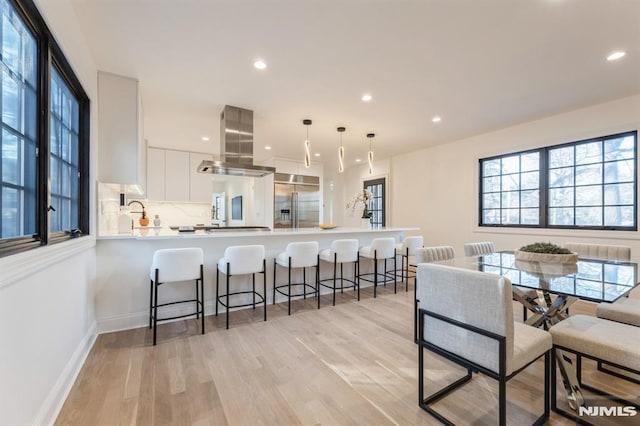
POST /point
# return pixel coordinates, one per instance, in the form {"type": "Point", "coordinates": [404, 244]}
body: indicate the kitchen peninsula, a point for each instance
{"type": "Point", "coordinates": [123, 262]}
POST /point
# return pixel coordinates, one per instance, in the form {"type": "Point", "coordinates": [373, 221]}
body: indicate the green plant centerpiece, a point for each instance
{"type": "Point", "coordinates": [546, 253]}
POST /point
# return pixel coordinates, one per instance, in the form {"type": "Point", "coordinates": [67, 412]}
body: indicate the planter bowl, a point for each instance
{"type": "Point", "coordinates": [570, 258]}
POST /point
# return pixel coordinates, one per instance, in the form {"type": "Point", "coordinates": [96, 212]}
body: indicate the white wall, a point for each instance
{"type": "Point", "coordinates": [47, 318]}
{"type": "Point", "coordinates": [436, 188]}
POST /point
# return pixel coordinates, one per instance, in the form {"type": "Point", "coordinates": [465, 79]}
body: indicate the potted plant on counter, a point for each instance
{"type": "Point", "coordinates": [361, 199]}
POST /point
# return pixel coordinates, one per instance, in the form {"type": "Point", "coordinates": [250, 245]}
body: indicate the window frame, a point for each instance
{"type": "Point", "coordinates": [544, 186]}
{"type": "Point", "coordinates": [51, 55]}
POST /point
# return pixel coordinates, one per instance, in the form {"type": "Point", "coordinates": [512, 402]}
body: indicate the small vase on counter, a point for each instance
{"type": "Point", "coordinates": [157, 221]}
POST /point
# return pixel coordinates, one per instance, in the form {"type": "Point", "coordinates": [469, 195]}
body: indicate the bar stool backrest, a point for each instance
{"type": "Point", "coordinates": [346, 250]}
{"type": "Point", "coordinates": [303, 254]}
{"type": "Point", "coordinates": [244, 259]}
{"type": "Point", "coordinates": [384, 248]}
{"type": "Point", "coordinates": [180, 264]}
{"type": "Point", "coordinates": [454, 293]}
{"type": "Point", "coordinates": [435, 254]}
{"type": "Point", "coordinates": [412, 243]}
{"type": "Point", "coordinates": [476, 249]}
{"type": "Point", "coordinates": [600, 251]}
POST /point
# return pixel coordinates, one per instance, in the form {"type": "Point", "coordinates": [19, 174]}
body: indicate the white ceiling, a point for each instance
{"type": "Point", "coordinates": [480, 64]}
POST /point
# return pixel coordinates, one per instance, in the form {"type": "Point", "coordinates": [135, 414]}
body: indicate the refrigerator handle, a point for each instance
{"type": "Point", "coordinates": [294, 210]}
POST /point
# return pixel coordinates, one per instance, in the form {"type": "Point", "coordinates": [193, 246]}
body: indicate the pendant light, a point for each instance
{"type": "Point", "coordinates": [370, 154]}
{"type": "Point", "coordinates": [341, 151]}
{"type": "Point", "coordinates": [307, 145]}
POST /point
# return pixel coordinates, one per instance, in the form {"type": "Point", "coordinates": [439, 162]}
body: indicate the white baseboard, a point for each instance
{"type": "Point", "coordinates": [52, 405]}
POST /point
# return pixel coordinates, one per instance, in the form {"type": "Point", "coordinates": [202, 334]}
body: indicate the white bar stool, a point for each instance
{"type": "Point", "coordinates": [380, 249]}
{"type": "Point", "coordinates": [172, 265]}
{"type": "Point", "coordinates": [407, 250]}
{"type": "Point", "coordinates": [342, 251]}
{"type": "Point", "coordinates": [242, 260]}
{"type": "Point", "coordinates": [298, 255]}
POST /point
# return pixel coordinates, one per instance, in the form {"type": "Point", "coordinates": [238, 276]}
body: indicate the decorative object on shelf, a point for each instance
{"type": "Point", "coordinates": [144, 220]}
{"type": "Point", "coordinates": [370, 154]}
{"type": "Point", "coordinates": [546, 253]}
{"type": "Point", "coordinates": [307, 145]}
{"type": "Point", "coordinates": [157, 221]}
{"type": "Point", "coordinates": [341, 151]}
{"type": "Point", "coordinates": [361, 198]}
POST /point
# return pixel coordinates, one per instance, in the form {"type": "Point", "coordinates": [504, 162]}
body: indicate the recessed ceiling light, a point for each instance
{"type": "Point", "coordinates": [366, 97]}
{"type": "Point", "coordinates": [260, 64]}
{"type": "Point", "coordinates": [317, 154]}
{"type": "Point", "coordinates": [267, 147]}
{"type": "Point", "coordinates": [616, 55]}
{"type": "Point", "coordinates": [436, 119]}
{"type": "Point", "coordinates": [358, 160]}
{"type": "Point", "coordinates": [205, 138]}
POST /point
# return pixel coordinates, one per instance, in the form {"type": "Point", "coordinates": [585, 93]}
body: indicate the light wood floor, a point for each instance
{"type": "Point", "coordinates": [354, 363]}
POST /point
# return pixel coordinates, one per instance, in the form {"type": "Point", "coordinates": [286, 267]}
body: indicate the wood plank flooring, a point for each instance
{"type": "Point", "coordinates": [352, 364]}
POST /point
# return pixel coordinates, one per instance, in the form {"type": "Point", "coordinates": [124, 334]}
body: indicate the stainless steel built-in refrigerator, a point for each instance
{"type": "Point", "coordinates": [297, 201]}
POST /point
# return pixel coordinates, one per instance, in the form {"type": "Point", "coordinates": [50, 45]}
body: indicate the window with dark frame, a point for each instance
{"type": "Point", "coordinates": [376, 205]}
{"type": "Point", "coordinates": [589, 184]}
{"type": "Point", "coordinates": [44, 160]}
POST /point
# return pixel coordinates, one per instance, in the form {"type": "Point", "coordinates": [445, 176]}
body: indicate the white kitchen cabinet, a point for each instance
{"type": "Point", "coordinates": [122, 149]}
{"type": "Point", "coordinates": [176, 175]}
{"type": "Point", "coordinates": [200, 184]}
{"type": "Point", "coordinates": [296, 167]}
{"type": "Point", "coordinates": [155, 174]}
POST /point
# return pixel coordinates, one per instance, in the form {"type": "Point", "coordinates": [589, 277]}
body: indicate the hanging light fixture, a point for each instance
{"type": "Point", "coordinates": [307, 145]}
{"type": "Point", "coordinates": [370, 154]}
{"type": "Point", "coordinates": [341, 151]}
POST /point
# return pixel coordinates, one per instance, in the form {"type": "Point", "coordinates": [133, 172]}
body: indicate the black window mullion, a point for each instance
{"type": "Point", "coordinates": [543, 189]}
{"type": "Point", "coordinates": [44, 64]}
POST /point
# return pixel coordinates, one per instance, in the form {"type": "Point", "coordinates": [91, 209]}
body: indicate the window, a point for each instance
{"type": "Point", "coordinates": [376, 204]}
{"type": "Point", "coordinates": [44, 191]}
{"type": "Point", "coordinates": [587, 184]}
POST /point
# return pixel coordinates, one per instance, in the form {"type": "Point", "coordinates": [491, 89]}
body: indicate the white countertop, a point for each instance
{"type": "Point", "coordinates": [165, 233]}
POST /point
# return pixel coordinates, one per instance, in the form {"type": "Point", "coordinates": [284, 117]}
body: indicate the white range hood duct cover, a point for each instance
{"type": "Point", "coordinates": [236, 146]}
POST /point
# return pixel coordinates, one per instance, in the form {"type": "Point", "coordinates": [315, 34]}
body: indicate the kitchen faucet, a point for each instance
{"type": "Point", "coordinates": [144, 213]}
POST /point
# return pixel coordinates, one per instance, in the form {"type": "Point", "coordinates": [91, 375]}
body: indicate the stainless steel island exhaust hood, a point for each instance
{"type": "Point", "coordinates": [236, 146]}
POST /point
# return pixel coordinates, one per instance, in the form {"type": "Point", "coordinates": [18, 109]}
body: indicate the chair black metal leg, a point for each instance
{"type": "Point", "coordinates": [304, 280]}
{"type": "Point", "coordinates": [228, 276]}
{"type": "Point", "coordinates": [395, 281]}
{"type": "Point", "coordinates": [197, 299]}
{"type": "Point", "coordinates": [318, 281]}
{"type": "Point", "coordinates": [341, 278]}
{"type": "Point", "coordinates": [502, 401]}
{"type": "Point", "coordinates": [375, 274]}
{"type": "Point", "coordinates": [264, 286]}
{"type": "Point", "coordinates": [253, 279]}
{"type": "Point", "coordinates": [385, 273]}
{"type": "Point", "coordinates": [356, 276]}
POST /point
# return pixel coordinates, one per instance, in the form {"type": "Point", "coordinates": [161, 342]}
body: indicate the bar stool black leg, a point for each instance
{"type": "Point", "coordinates": [202, 294]}
{"type": "Point", "coordinates": [253, 278]}
{"type": "Point", "coordinates": [385, 272]}
{"type": "Point", "coordinates": [289, 288]}
{"type": "Point", "coordinates": [264, 286]}
{"type": "Point", "coordinates": [356, 277]}
{"type": "Point", "coordinates": [375, 273]}
{"type": "Point", "coordinates": [150, 302]}
{"type": "Point", "coordinates": [341, 278]}
{"type": "Point", "coordinates": [304, 282]}
{"type": "Point", "coordinates": [155, 309]}
{"type": "Point", "coordinates": [318, 280]}
{"type": "Point", "coordinates": [197, 299]}
{"type": "Point", "coordinates": [335, 267]}
{"type": "Point", "coordinates": [395, 281]}
{"type": "Point", "coordinates": [217, 282]}
{"type": "Point", "coordinates": [406, 283]}
{"type": "Point", "coordinates": [228, 277]}
{"type": "Point", "coordinates": [275, 266]}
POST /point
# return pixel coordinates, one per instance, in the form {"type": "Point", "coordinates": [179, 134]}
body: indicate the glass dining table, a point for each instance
{"type": "Point", "coordinates": [557, 286]}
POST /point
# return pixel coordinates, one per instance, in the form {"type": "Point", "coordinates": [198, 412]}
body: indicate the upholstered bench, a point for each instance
{"type": "Point", "coordinates": [598, 339]}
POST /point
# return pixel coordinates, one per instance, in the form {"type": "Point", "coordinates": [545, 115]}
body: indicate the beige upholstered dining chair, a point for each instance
{"type": "Point", "coordinates": [476, 249]}
{"type": "Point", "coordinates": [625, 310]}
{"type": "Point", "coordinates": [428, 255]}
{"type": "Point", "coordinates": [600, 251]}
{"type": "Point", "coordinates": [487, 339]}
